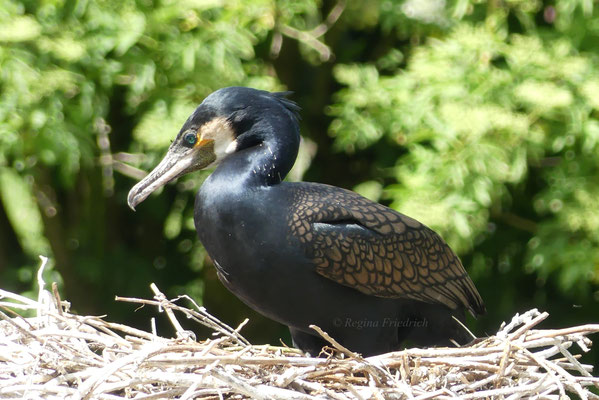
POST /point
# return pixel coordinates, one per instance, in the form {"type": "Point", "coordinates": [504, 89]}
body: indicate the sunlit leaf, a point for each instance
{"type": "Point", "coordinates": [19, 29]}
{"type": "Point", "coordinates": [158, 126]}
{"type": "Point", "coordinates": [22, 211]}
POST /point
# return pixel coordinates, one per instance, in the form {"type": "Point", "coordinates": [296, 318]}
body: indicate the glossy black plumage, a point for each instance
{"type": "Point", "coordinates": [307, 253]}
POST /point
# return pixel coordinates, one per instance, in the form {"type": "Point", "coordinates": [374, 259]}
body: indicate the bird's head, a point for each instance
{"type": "Point", "coordinates": [228, 121]}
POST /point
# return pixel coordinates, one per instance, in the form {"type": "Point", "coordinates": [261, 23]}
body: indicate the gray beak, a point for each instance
{"type": "Point", "coordinates": [178, 161]}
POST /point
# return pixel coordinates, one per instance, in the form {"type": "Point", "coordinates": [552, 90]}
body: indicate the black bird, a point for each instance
{"type": "Point", "coordinates": [308, 253]}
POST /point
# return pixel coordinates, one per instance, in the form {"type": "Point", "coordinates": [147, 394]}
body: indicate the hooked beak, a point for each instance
{"type": "Point", "coordinates": [178, 161]}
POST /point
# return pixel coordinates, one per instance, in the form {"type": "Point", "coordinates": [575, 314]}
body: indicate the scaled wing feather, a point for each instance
{"type": "Point", "coordinates": [378, 251]}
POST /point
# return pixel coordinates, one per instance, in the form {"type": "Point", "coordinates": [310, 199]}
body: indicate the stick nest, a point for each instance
{"type": "Point", "coordinates": [58, 355]}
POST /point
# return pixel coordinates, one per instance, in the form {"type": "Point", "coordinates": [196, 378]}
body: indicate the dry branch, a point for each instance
{"type": "Point", "coordinates": [58, 355]}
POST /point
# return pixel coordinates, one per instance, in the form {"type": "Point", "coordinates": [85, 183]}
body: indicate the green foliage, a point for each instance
{"type": "Point", "coordinates": [59, 81]}
{"type": "Point", "coordinates": [20, 207]}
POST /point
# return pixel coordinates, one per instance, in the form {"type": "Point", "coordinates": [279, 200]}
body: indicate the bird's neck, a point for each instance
{"type": "Point", "coordinates": [263, 164]}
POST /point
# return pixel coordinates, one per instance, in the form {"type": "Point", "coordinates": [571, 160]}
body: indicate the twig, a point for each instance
{"type": "Point", "coordinates": [334, 343]}
{"type": "Point", "coordinates": [158, 295]}
{"type": "Point", "coordinates": [309, 38]}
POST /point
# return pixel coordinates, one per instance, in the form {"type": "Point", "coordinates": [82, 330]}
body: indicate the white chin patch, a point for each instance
{"type": "Point", "coordinates": [231, 147]}
{"type": "Point", "coordinates": [221, 132]}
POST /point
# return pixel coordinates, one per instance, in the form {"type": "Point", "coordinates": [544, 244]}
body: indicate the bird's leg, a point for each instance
{"type": "Point", "coordinates": [307, 342]}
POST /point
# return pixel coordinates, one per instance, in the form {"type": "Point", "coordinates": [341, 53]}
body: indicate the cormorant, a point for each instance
{"type": "Point", "coordinates": [307, 253]}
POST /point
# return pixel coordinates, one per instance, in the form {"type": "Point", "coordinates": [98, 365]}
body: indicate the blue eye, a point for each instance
{"type": "Point", "coordinates": [190, 138]}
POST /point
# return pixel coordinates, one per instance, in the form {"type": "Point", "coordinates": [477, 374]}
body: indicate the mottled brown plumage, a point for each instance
{"type": "Point", "coordinates": [379, 251]}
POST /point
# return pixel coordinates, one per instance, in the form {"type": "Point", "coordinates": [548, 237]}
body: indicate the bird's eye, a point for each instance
{"type": "Point", "coordinates": [190, 138]}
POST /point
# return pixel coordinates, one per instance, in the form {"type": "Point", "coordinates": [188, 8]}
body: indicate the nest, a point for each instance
{"type": "Point", "coordinates": [58, 355]}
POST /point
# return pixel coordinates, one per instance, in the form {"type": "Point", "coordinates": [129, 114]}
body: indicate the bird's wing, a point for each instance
{"type": "Point", "coordinates": [378, 251]}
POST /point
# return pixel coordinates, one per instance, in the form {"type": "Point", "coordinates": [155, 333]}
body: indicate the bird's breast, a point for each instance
{"type": "Point", "coordinates": [243, 233]}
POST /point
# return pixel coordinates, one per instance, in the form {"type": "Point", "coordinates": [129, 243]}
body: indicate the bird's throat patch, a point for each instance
{"type": "Point", "coordinates": [220, 131]}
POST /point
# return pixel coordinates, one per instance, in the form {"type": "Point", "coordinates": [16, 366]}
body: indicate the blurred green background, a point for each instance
{"type": "Point", "coordinates": [479, 118]}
